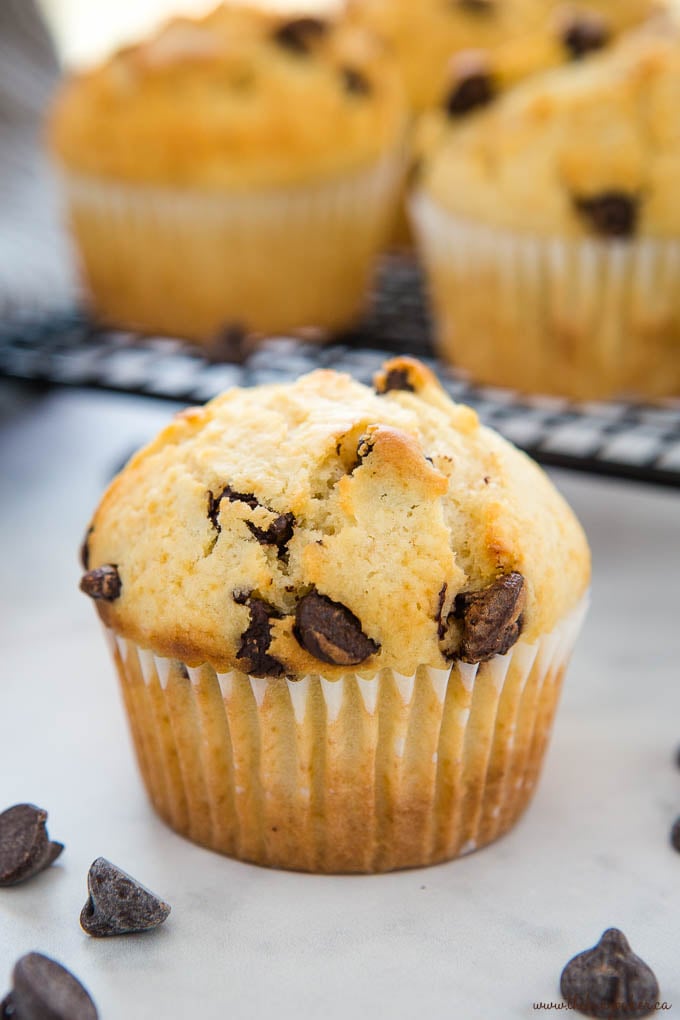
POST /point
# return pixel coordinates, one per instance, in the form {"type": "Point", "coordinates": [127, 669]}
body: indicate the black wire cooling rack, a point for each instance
{"type": "Point", "coordinates": [608, 438]}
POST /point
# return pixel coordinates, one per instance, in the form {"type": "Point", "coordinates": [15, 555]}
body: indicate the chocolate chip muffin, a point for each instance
{"type": "Point", "coordinates": [238, 170]}
{"type": "Point", "coordinates": [340, 618]}
{"type": "Point", "coordinates": [549, 225]}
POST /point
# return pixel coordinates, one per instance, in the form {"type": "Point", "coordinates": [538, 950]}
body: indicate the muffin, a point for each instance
{"type": "Point", "coordinates": [234, 171]}
{"type": "Point", "coordinates": [340, 618]}
{"type": "Point", "coordinates": [549, 226]}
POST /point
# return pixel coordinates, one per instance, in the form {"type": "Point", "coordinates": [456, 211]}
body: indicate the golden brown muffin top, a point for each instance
{"type": "Point", "coordinates": [322, 526]}
{"type": "Point", "coordinates": [589, 150]}
{"type": "Point", "coordinates": [241, 98]}
{"type": "Point", "coordinates": [518, 37]}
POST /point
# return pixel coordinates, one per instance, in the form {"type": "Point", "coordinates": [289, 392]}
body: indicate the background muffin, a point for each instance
{"type": "Point", "coordinates": [340, 619]}
{"type": "Point", "coordinates": [237, 169]}
{"type": "Point", "coordinates": [550, 226]}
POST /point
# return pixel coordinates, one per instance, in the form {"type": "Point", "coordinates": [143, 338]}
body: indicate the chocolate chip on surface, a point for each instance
{"type": "Point", "coordinates": [331, 632]}
{"type": "Point", "coordinates": [44, 990]}
{"type": "Point", "coordinates": [118, 904]}
{"type": "Point", "coordinates": [355, 82]}
{"type": "Point", "coordinates": [610, 981]}
{"type": "Point", "coordinates": [300, 34]}
{"type": "Point", "coordinates": [395, 379]}
{"type": "Point", "coordinates": [279, 532]}
{"type": "Point", "coordinates": [675, 835]}
{"type": "Point", "coordinates": [102, 583]}
{"type": "Point", "coordinates": [585, 34]}
{"type": "Point", "coordinates": [611, 214]}
{"type": "Point", "coordinates": [473, 84]}
{"type": "Point", "coordinates": [485, 623]}
{"type": "Point", "coordinates": [256, 638]}
{"type": "Point", "coordinates": [25, 847]}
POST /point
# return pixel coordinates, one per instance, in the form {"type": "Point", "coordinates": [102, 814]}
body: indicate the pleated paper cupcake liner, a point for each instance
{"type": "Point", "coordinates": [348, 775]}
{"type": "Point", "coordinates": [189, 262]}
{"type": "Point", "coordinates": [587, 319]}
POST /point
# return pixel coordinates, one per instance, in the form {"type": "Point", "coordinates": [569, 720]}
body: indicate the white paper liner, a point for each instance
{"type": "Point", "coordinates": [582, 317]}
{"type": "Point", "coordinates": [188, 261]}
{"type": "Point", "coordinates": [349, 775]}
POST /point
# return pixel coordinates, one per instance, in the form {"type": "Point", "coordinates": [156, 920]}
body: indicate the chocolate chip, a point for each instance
{"type": "Point", "coordinates": [232, 344]}
{"type": "Point", "coordinates": [118, 904]}
{"type": "Point", "coordinates": [675, 835]}
{"type": "Point", "coordinates": [355, 82]}
{"type": "Point", "coordinates": [85, 549]}
{"type": "Point", "coordinates": [473, 88]}
{"type": "Point", "coordinates": [279, 532]}
{"type": "Point", "coordinates": [256, 639]}
{"type": "Point", "coordinates": [330, 632]}
{"type": "Point", "coordinates": [486, 623]}
{"type": "Point", "coordinates": [611, 214]}
{"type": "Point", "coordinates": [44, 990]}
{"type": "Point", "coordinates": [395, 379]}
{"type": "Point", "coordinates": [584, 35]}
{"type": "Point", "coordinates": [610, 981]}
{"type": "Point", "coordinates": [102, 583]}
{"type": "Point", "coordinates": [441, 623]}
{"type": "Point", "coordinates": [300, 34]}
{"type": "Point", "coordinates": [25, 847]}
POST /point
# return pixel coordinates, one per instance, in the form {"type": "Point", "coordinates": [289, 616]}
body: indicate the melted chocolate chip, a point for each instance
{"type": "Point", "coordinates": [585, 35]}
{"type": "Point", "coordinates": [102, 583]}
{"type": "Point", "coordinates": [441, 623]}
{"type": "Point", "coordinates": [331, 632]}
{"type": "Point", "coordinates": [610, 981]}
{"type": "Point", "coordinates": [256, 639]}
{"type": "Point", "coordinates": [611, 214]}
{"type": "Point", "coordinates": [279, 532]}
{"type": "Point", "coordinates": [25, 847]}
{"type": "Point", "coordinates": [470, 92]}
{"type": "Point", "coordinates": [85, 549]}
{"type": "Point", "coordinates": [300, 34]}
{"type": "Point", "coordinates": [395, 379]}
{"type": "Point", "coordinates": [487, 622]}
{"type": "Point", "coordinates": [355, 82]}
{"type": "Point", "coordinates": [44, 990]}
{"type": "Point", "coordinates": [118, 904]}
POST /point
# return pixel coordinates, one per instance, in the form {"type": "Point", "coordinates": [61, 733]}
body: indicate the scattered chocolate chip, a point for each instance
{"type": "Point", "coordinates": [395, 379]}
{"type": "Point", "coordinates": [279, 532]}
{"type": "Point", "coordinates": [300, 34]}
{"type": "Point", "coordinates": [25, 847]}
{"type": "Point", "coordinates": [256, 639]}
{"type": "Point", "coordinates": [355, 82]}
{"type": "Point", "coordinates": [585, 35]}
{"type": "Point", "coordinates": [85, 549]}
{"type": "Point", "coordinates": [232, 344]}
{"type": "Point", "coordinates": [364, 448]}
{"type": "Point", "coordinates": [611, 214]}
{"type": "Point", "coordinates": [102, 583]}
{"type": "Point", "coordinates": [675, 835]}
{"type": "Point", "coordinates": [330, 632]}
{"type": "Point", "coordinates": [610, 981]}
{"type": "Point", "coordinates": [487, 622]}
{"type": "Point", "coordinates": [473, 85]}
{"type": "Point", "coordinates": [44, 990]}
{"type": "Point", "coordinates": [118, 904]}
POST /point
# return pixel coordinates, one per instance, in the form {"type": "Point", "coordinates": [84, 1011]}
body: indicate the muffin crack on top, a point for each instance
{"type": "Point", "coordinates": [308, 528]}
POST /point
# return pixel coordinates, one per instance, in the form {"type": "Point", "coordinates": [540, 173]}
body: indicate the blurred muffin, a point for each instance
{"type": "Point", "coordinates": [239, 169]}
{"type": "Point", "coordinates": [550, 229]}
{"type": "Point", "coordinates": [340, 618]}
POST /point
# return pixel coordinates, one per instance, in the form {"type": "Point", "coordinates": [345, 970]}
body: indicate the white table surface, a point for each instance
{"type": "Point", "coordinates": [485, 937]}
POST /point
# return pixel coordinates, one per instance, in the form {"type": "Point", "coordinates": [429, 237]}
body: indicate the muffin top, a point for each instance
{"type": "Point", "coordinates": [242, 98]}
{"type": "Point", "coordinates": [517, 37]}
{"type": "Point", "coordinates": [322, 526]}
{"type": "Point", "coordinates": [588, 150]}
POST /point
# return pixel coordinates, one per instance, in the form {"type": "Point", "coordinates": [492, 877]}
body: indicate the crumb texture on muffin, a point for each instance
{"type": "Point", "coordinates": [241, 98]}
{"type": "Point", "coordinates": [319, 526]}
{"type": "Point", "coordinates": [588, 150]}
